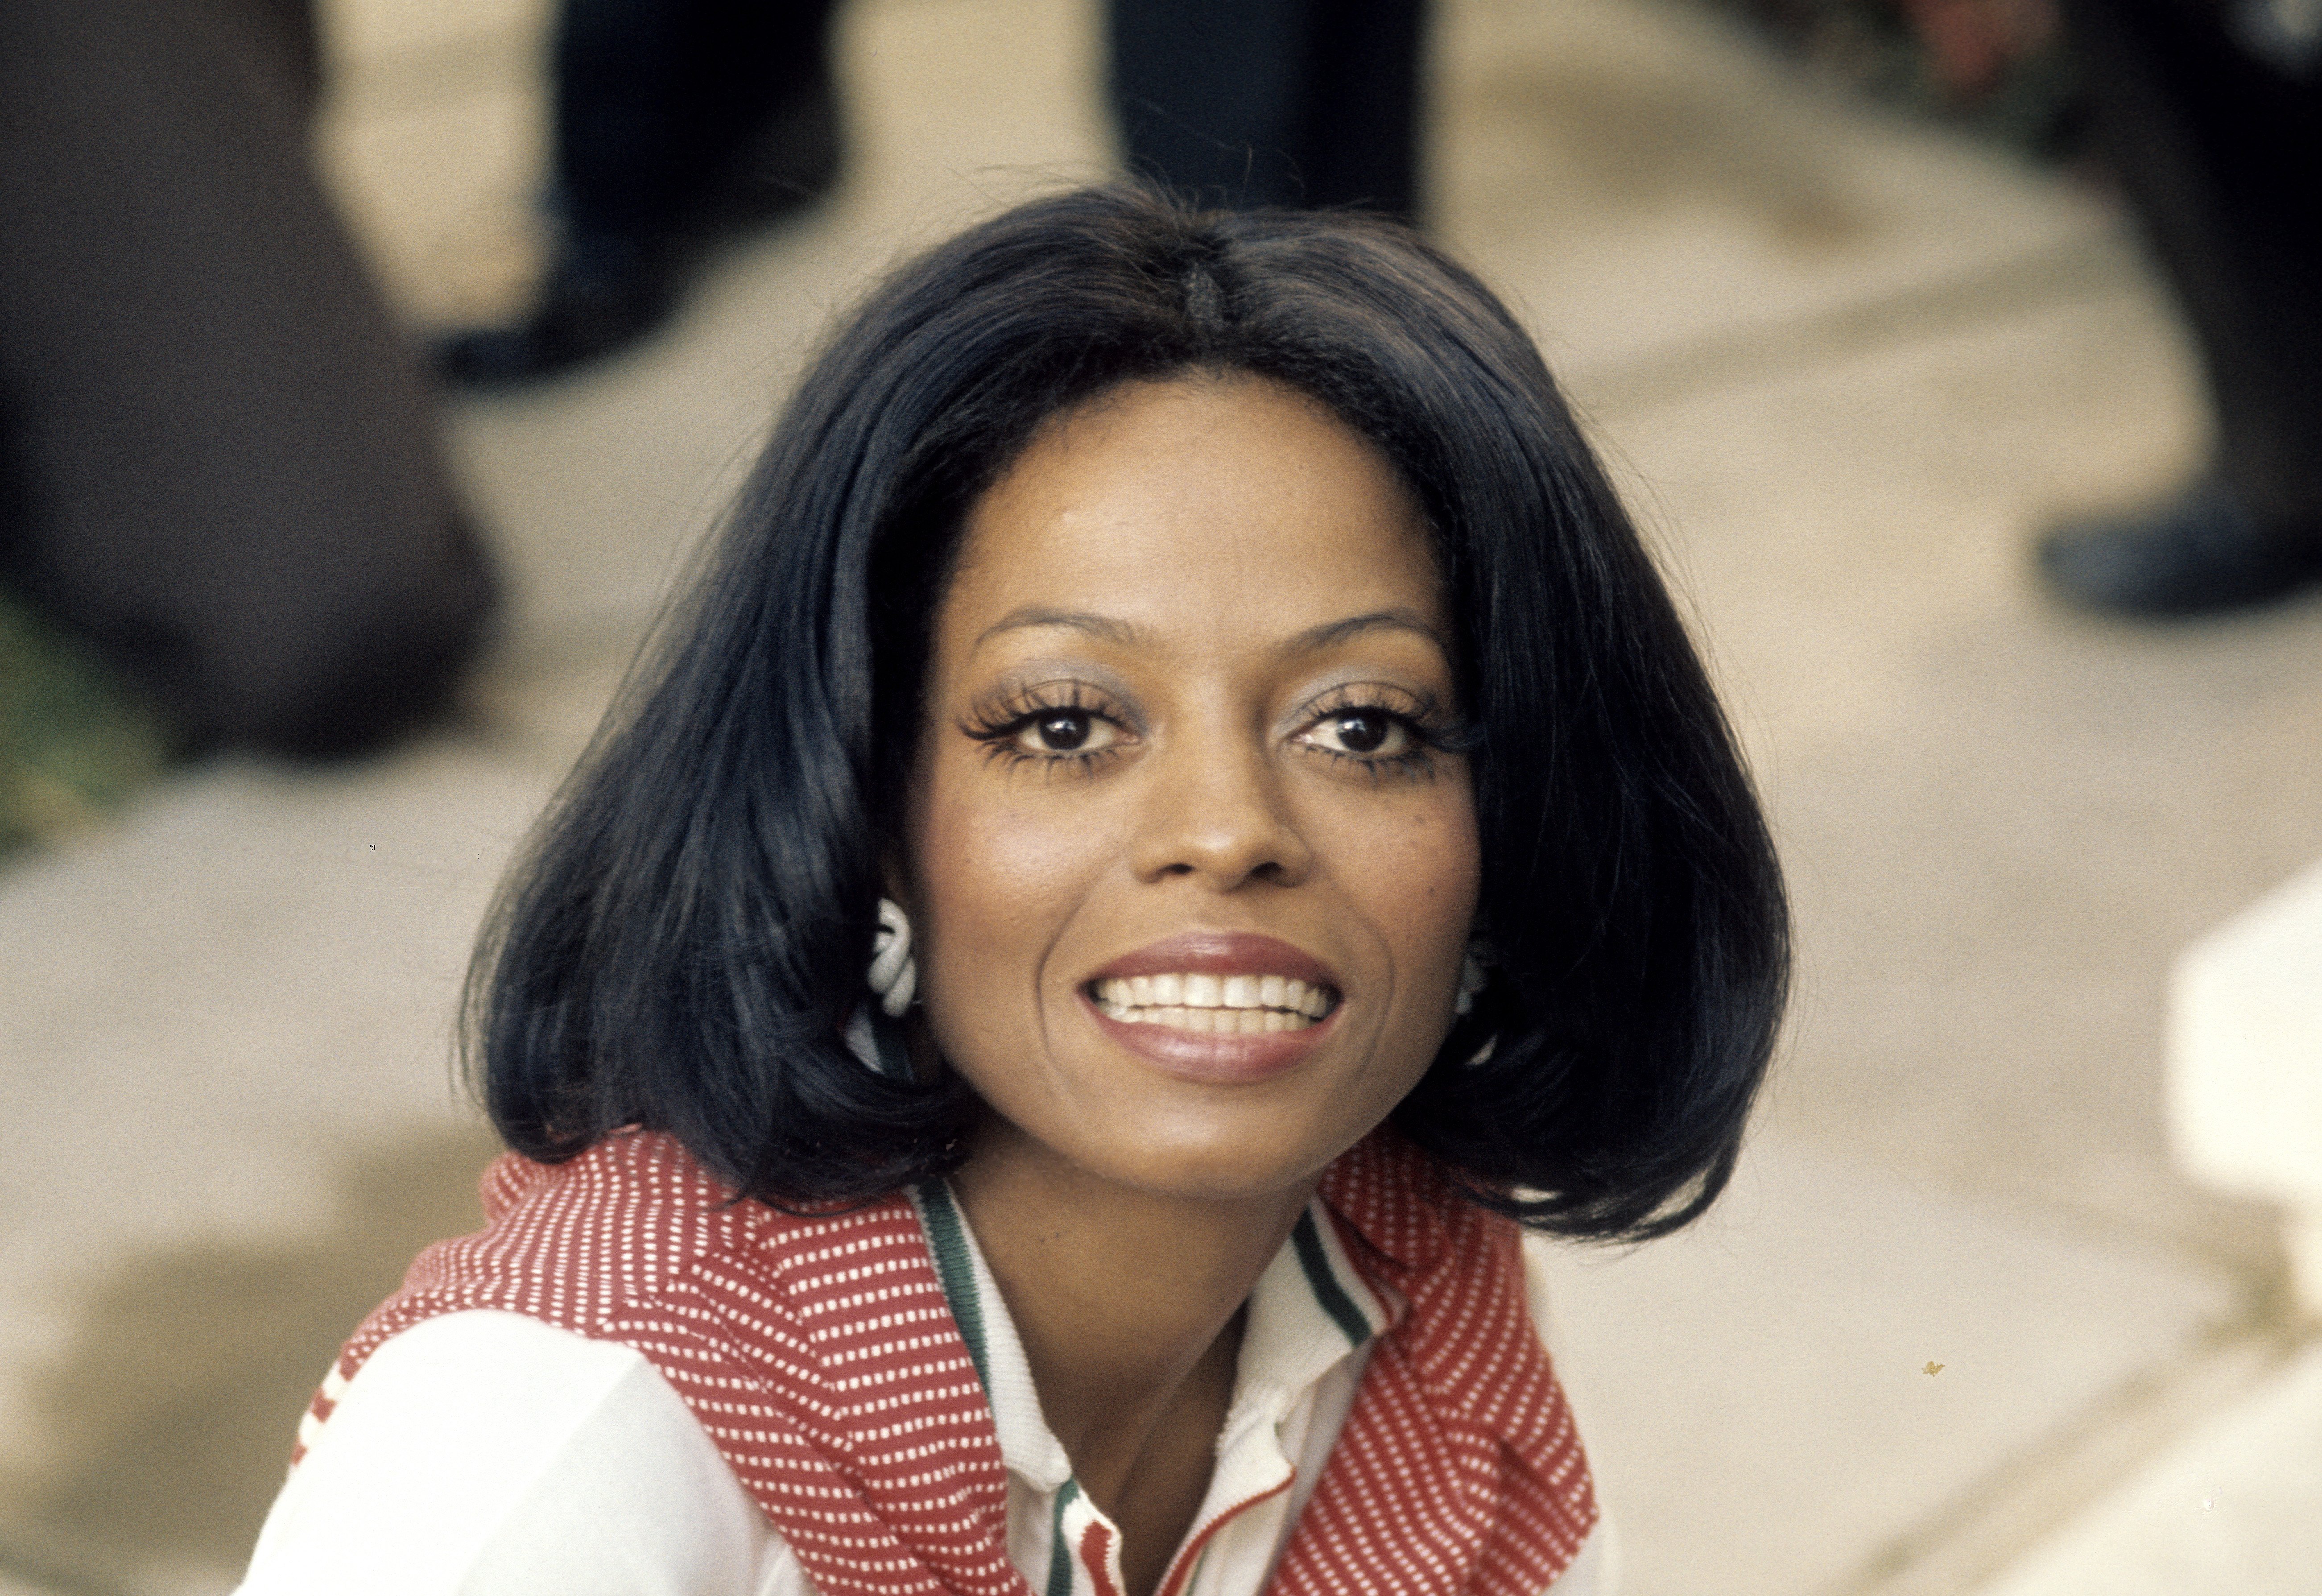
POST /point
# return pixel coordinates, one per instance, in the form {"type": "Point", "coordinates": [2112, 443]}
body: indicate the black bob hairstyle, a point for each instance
{"type": "Point", "coordinates": [688, 935]}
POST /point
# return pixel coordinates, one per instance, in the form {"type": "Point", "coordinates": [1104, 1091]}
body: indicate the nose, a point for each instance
{"type": "Point", "coordinates": [1216, 810]}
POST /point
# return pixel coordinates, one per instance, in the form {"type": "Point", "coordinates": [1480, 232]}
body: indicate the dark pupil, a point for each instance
{"type": "Point", "coordinates": [1362, 733]}
{"type": "Point", "coordinates": [1064, 730]}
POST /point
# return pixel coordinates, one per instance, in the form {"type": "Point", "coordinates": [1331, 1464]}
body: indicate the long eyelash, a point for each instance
{"type": "Point", "coordinates": [1008, 713]}
{"type": "Point", "coordinates": [1419, 764]}
{"type": "Point", "coordinates": [997, 722]}
{"type": "Point", "coordinates": [1077, 760]}
{"type": "Point", "coordinates": [1432, 733]}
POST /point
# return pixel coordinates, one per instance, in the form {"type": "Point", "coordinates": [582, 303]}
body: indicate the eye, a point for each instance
{"type": "Point", "coordinates": [1066, 732]}
{"type": "Point", "coordinates": [1367, 733]}
{"type": "Point", "coordinates": [1055, 725]}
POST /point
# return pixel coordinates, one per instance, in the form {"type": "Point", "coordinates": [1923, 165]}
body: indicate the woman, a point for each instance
{"type": "Point", "coordinates": [1197, 665]}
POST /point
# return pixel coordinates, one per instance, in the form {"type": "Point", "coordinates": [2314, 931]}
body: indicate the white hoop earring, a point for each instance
{"type": "Point", "coordinates": [1473, 978]}
{"type": "Point", "coordinates": [894, 973]}
{"type": "Point", "coordinates": [1475, 975]}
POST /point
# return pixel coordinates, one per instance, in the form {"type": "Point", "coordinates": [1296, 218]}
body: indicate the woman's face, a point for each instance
{"type": "Point", "coordinates": [1189, 880]}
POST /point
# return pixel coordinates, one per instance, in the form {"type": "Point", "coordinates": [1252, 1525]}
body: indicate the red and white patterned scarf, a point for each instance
{"type": "Point", "coordinates": [820, 1356]}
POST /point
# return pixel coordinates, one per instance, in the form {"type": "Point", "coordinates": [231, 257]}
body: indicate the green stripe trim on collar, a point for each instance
{"type": "Point", "coordinates": [956, 1269]}
{"type": "Point", "coordinates": [1325, 1285]}
{"type": "Point", "coordinates": [1060, 1550]}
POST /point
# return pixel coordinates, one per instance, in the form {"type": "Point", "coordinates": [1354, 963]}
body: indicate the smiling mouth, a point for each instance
{"type": "Point", "coordinates": [1216, 1006]}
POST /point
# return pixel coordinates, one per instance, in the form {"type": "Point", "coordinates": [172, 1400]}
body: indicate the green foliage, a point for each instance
{"type": "Point", "coordinates": [74, 743]}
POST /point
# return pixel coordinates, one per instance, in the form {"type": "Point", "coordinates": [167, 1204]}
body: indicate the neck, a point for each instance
{"type": "Point", "coordinates": [1129, 1305]}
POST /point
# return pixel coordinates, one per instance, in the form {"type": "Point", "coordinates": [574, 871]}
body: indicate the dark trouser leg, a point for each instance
{"type": "Point", "coordinates": [1273, 102]}
{"type": "Point", "coordinates": [2220, 155]}
{"type": "Point", "coordinates": [226, 471]}
{"type": "Point", "coordinates": [1362, 118]}
{"type": "Point", "coordinates": [657, 99]}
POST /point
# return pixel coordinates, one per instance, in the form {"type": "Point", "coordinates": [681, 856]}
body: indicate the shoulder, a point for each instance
{"type": "Point", "coordinates": [616, 1244]}
{"type": "Point", "coordinates": [488, 1451]}
{"type": "Point", "coordinates": [622, 1221]}
{"type": "Point", "coordinates": [631, 1223]}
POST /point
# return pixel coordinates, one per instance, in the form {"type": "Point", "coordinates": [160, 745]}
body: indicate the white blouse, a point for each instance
{"type": "Point", "coordinates": [487, 1454]}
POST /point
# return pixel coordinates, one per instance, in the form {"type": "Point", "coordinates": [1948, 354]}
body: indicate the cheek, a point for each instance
{"type": "Point", "coordinates": [995, 876]}
{"type": "Point", "coordinates": [1417, 873]}
{"type": "Point", "coordinates": [1418, 883]}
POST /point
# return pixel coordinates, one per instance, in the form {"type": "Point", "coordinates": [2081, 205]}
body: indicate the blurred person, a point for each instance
{"type": "Point", "coordinates": [217, 458]}
{"type": "Point", "coordinates": [2211, 114]}
{"type": "Point", "coordinates": [676, 119]}
{"type": "Point", "coordinates": [1179, 818]}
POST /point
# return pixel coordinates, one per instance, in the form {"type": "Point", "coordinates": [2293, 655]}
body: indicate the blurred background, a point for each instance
{"type": "Point", "coordinates": [1851, 299]}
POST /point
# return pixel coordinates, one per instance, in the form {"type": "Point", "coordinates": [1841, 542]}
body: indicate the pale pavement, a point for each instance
{"type": "Point", "coordinates": [1845, 365]}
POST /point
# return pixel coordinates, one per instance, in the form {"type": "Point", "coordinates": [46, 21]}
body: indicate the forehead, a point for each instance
{"type": "Point", "coordinates": [1201, 508]}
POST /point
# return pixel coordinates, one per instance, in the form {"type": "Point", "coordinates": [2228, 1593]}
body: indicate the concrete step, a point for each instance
{"type": "Point", "coordinates": [1889, 1372]}
{"type": "Point", "coordinates": [2245, 1067]}
{"type": "Point", "coordinates": [2235, 1508]}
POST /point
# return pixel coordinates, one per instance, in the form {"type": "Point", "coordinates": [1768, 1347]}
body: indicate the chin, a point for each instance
{"type": "Point", "coordinates": [1196, 1159]}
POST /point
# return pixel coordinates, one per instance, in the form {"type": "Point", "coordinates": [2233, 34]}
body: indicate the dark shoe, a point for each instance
{"type": "Point", "coordinates": [601, 292]}
{"type": "Point", "coordinates": [604, 291]}
{"type": "Point", "coordinates": [2198, 554]}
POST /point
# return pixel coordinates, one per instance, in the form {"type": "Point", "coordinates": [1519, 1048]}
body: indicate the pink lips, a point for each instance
{"type": "Point", "coordinates": [1208, 1057]}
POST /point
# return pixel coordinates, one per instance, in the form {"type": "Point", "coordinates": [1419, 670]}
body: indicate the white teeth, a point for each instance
{"type": "Point", "coordinates": [1227, 1006]}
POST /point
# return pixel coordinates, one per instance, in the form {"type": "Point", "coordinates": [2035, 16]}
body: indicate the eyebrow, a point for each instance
{"type": "Point", "coordinates": [1122, 634]}
{"type": "Point", "coordinates": [1398, 619]}
{"type": "Point", "coordinates": [1103, 628]}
